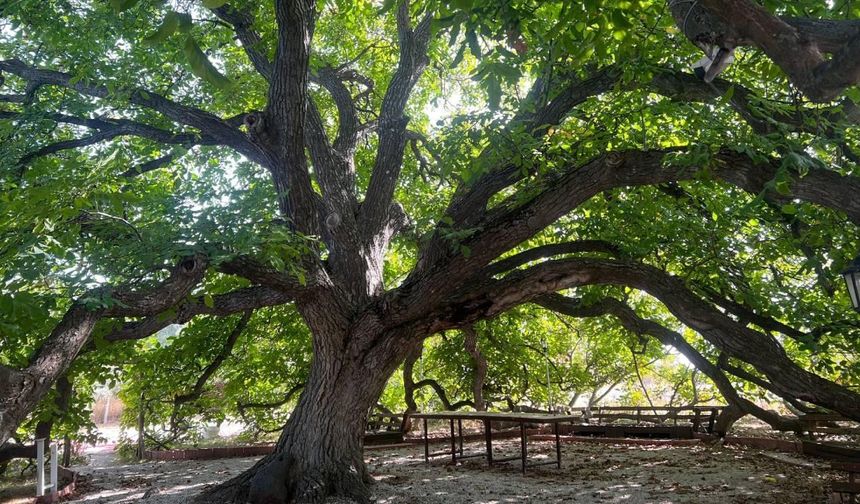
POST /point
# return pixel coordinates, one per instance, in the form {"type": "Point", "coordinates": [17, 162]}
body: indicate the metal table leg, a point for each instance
{"type": "Point", "coordinates": [488, 435]}
{"type": "Point", "coordinates": [453, 444]}
{"type": "Point", "coordinates": [557, 445]}
{"type": "Point", "coordinates": [460, 430]}
{"type": "Point", "coordinates": [426, 443]}
{"type": "Point", "coordinates": [523, 444]}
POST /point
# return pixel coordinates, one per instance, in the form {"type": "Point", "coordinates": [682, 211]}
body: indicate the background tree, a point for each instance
{"type": "Point", "coordinates": [148, 183]}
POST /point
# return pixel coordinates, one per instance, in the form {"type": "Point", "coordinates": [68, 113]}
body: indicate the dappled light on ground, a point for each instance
{"type": "Point", "coordinates": [155, 482]}
{"type": "Point", "coordinates": [591, 473]}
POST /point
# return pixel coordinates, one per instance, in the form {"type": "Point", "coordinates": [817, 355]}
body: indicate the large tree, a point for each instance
{"type": "Point", "coordinates": [312, 159]}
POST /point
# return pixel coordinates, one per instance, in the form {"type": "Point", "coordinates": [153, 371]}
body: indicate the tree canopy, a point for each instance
{"type": "Point", "coordinates": [313, 188]}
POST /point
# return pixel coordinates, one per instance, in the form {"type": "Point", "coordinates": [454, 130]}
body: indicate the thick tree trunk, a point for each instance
{"type": "Point", "coordinates": [480, 366]}
{"type": "Point", "coordinates": [409, 387]}
{"type": "Point", "coordinates": [320, 452]}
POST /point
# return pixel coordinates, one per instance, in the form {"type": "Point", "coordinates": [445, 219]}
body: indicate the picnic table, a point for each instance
{"type": "Point", "coordinates": [487, 419]}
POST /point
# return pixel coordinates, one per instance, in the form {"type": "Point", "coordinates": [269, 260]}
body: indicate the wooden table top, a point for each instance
{"type": "Point", "coordinates": [509, 417]}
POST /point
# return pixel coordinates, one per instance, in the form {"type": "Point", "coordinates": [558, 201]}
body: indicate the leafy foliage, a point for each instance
{"type": "Point", "coordinates": [76, 220]}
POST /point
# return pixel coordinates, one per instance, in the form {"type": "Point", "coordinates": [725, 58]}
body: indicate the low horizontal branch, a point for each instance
{"type": "Point", "coordinates": [220, 305]}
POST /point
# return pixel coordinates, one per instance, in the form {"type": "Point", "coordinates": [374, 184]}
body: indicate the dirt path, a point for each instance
{"type": "Point", "coordinates": [590, 474]}
{"type": "Point", "coordinates": [109, 480]}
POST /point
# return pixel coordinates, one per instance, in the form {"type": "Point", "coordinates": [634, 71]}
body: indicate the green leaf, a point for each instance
{"type": "Point", "coordinates": [474, 46]}
{"type": "Point", "coordinates": [209, 301]}
{"type": "Point", "coordinates": [213, 4]}
{"type": "Point", "coordinates": [459, 57]}
{"type": "Point", "coordinates": [387, 5]}
{"type": "Point", "coordinates": [494, 92]}
{"type": "Point", "coordinates": [202, 67]}
{"type": "Point", "coordinates": [783, 188]}
{"type": "Point", "coordinates": [789, 209]}
{"type": "Point", "coordinates": [122, 5]}
{"type": "Point", "coordinates": [169, 25]}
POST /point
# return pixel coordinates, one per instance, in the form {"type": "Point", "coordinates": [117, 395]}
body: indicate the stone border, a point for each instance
{"type": "Point", "coordinates": [780, 445]}
{"type": "Point", "coordinates": [237, 452]}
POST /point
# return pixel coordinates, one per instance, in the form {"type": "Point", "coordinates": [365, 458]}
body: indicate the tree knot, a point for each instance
{"type": "Point", "coordinates": [614, 159]}
{"type": "Point", "coordinates": [332, 221]}
{"type": "Point", "coordinates": [192, 264]}
{"type": "Point", "coordinates": [257, 127]}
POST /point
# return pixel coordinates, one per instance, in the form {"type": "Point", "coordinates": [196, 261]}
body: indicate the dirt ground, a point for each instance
{"type": "Point", "coordinates": [591, 473]}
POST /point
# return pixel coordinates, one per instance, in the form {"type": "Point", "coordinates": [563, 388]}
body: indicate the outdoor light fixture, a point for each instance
{"type": "Point", "coordinates": [852, 279]}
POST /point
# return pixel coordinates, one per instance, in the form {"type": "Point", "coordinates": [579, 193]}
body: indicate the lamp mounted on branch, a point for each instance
{"type": "Point", "coordinates": [852, 280]}
{"type": "Point", "coordinates": [713, 36]}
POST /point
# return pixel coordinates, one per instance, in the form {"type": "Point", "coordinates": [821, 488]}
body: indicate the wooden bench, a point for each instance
{"type": "Point", "coordinates": [850, 487]}
{"type": "Point", "coordinates": [702, 418]}
{"type": "Point", "coordinates": [382, 421]}
{"type": "Point", "coordinates": [826, 423]}
{"type": "Point", "coordinates": [383, 428]}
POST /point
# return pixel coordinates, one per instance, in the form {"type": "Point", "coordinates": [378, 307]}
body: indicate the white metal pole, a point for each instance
{"type": "Point", "coordinates": [54, 461]}
{"type": "Point", "coordinates": [107, 409]}
{"type": "Point", "coordinates": [40, 467]}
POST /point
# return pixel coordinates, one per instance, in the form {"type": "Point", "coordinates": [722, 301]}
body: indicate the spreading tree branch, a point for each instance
{"type": "Point", "coordinates": [209, 125]}
{"type": "Point", "coordinates": [512, 222]}
{"type": "Point", "coordinates": [551, 250]}
{"type": "Point", "coordinates": [492, 297]}
{"type": "Point", "coordinates": [20, 391]}
{"type": "Point", "coordinates": [469, 203]}
{"type": "Point", "coordinates": [392, 121]}
{"type": "Point", "coordinates": [638, 325]}
{"type": "Point", "coordinates": [724, 364]}
{"type": "Point", "coordinates": [220, 305]}
{"type": "Point", "coordinates": [748, 315]}
{"type": "Point", "coordinates": [242, 23]}
{"type": "Point", "coordinates": [443, 396]}
{"type": "Point", "coordinates": [153, 164]}
{"type": "Point", "coordinates": [348, 124]}
{"type": "Point", "coordinates": [106, 129]}
{"type": "Point", "coordinates": [225, 351]}
{"type": "Point", "coordinates": [263, 274]}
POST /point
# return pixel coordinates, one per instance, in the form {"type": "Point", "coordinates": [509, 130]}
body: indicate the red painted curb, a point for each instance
{"type": "Point", "coordinates": [781, 445]}
{"type": "Point", "coordinates": [210, 453]}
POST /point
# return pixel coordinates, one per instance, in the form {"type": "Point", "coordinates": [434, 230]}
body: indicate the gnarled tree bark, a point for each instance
{"type": "Point", "coordinates": [320, 451]}
{"type": "Point", "coordinates": [480, 367]}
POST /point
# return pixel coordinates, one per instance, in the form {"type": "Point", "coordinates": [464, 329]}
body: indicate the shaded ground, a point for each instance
{"type": "Point", "coordinates": [591, 473]}
{"type": "Point", "coordinates": [17, 490]}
